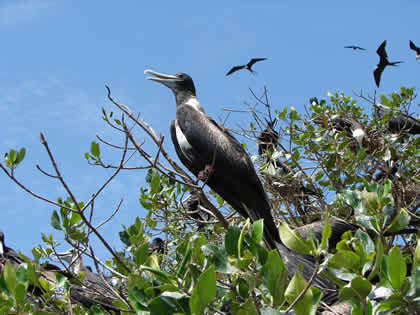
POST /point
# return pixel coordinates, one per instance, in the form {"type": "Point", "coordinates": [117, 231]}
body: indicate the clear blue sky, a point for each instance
{"type": "Point", "coordinates": [56, 57]}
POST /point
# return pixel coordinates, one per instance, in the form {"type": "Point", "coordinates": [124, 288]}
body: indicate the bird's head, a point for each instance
{"type": "Point", "coordinates": [179, 82]}
{"type": "Point", "coordinates": [72, 256]}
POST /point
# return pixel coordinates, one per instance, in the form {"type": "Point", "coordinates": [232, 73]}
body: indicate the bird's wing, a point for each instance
{"type": "Point", "coordinates": [349, 47]}
{"type": "Point", "coordinates": [377, 74]}
{"type": "Point", "coordinates": [414, 47]}
{"type": "Point", "coordinates": [254, 60]}
{"type": "Point", "coordinates": [381, 50]}
{"type": "Point", "coordinates": [236, 68]}
{"type": "Point", "coordinates": [361, 48]}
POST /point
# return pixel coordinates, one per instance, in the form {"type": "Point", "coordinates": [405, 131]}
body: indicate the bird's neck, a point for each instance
{"type": "Point", "coordinates": [185, 98]}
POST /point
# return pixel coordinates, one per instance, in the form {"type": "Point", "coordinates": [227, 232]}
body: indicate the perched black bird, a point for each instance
{"type": "Point", "coordinates": [157, 245]}
{"type": "Point", "coordinates": [401, 122]}
{"type": "Point", "coordinates": [201, 143]}
{"type": "Point", "coordinates": [355, 47]}
{"type": "Point", "coordinates": [383, 62]}
{"type": "Point", "coordinates": [313, 101]}
{"type": "Point", "coordinates": [247, 66]}
{"type": "Point", "coordinates": [267, 139]}
{"type": "Point", "coordinates": [416, 49]}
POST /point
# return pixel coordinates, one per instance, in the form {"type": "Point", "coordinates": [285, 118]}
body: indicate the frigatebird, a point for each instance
{"type": "Point", "coordinates": [248, 66]}
{"type": "Point", "coordinates": [402, 122]}
{"type": "Point", "coordinates": [383, 62]}
{"type": "Point", "coordinates": [267, 139]}
{"type": "Point", "coordinates": [201, 143]}
{"type": "Point", "coordinates": [355, 47]}
{"type": "Point", "coordinates": [416, 49]}
{"type": "Point", "coordinates": [157, 245]}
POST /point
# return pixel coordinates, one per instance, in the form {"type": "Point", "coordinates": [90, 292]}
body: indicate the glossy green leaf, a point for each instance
{"type": "Point", "coordinates": [276, 276]}
{"type": "Point", "coordinates": [9, 276]}
{"type": "Point", "coordinates": [204, 291]}
{"type": "Point", "coordinates": [345, 259]}
{"type": "Point", "coordinates": [231, 241]}
{"type": "Point", "coordinates": [293, 240]}
{"type": "Point", "coordinates": [21, 155]}
{"type": "Point", "coordinates": [361, 286]}
{"type": "Point", "coordinates": [397, 268]}
{"type": "Point", "coordinates": [257, 230]}
{"type": "Point", "coordinates": [94, 149]}
{"type": "Point", "coordinates": [217, 256]}
{"type": "Point", "coordinates": [141, 254]}
{"type": "Point", "coordinates": [55, 221]}
{"type": "Point", "coordinates": [400, 221]}
{"type": "Point", "coordinates": [20, 292]}
{"type": "Point", "coordinates": [295, 287]}
{"type": "Point", "coordinates": [186, 258]}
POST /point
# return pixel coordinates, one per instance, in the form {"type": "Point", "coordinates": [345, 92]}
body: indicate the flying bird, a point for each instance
{"type": "Point", "coordinates": [201, 143]}
{"type": "Point", "coordinates": [248, 66]}
{"type": "Point", "coordinates": [383, 62]}
{"type": "Point", "coordinates": [355, 47]}
{"type": "Point", "coordinates": [416, 49]}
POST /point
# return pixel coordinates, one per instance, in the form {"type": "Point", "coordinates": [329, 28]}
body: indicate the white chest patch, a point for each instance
{"type": "Point", "coordinates": [182, 140]}
{"type": "Point", "coordinates": [193, 102]}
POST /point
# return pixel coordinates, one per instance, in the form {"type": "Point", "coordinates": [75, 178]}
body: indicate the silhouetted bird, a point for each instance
{"type": "Point", "coordinates": [247, 66]}
{"type": "Point", "coordinates": [416, 49]}
{"type": "Point", "coordinates": [355, 47]}
{"type": "Point", "coordinates": [313, 101]}
{"type": "Point", "coordinates": [399, 123]}
{"type": "Point", "coordinates": [267, 139]}
{"type": "Point", "coordinates": [383, 62]}
{"type": "Point", "coordinates": [157, 245]}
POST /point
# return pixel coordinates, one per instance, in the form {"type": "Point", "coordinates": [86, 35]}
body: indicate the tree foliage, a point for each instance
{"type": "Point", "coordinates": [209, 259]}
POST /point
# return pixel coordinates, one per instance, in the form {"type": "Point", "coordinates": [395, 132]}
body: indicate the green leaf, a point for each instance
{"type": "Point", "coordinates": [276, 277]}
{"type": "Point", "coordinates": [94, 149]}
{"type": "Point", "coordinates": [204, 291]}
{"type": "Point", "coordinates": [295, 287]}
{"type": "Point", "coordinates": [141, 254]}
{"type": "Point", "coordinates": [9, 277]}
{"type": "Point", "coordinates": [217, 256]}
{"type": "Point", "coordinates": [257, 231]}
{"type": "Point", "coordinates": [345, 259]}
{"type": "Point", "coordinates": [21, 155]}
{"type": "Point", "coordinates": [12, 156]}
{"type": "Point", "coordinates": [155, 183]}
{"type": "Point", "coordinates": [231, 241]}
{"type": "Point", "coordinates": [326, 232]}
{"type": "Point", "coordinates": [293, 240]}
{"type": "Point", "coordinates": [400, 221]}
{"type": "Point", "coordinates": [416, 258]}
{"type": "Point", "coordinates": [20, 292]}
{"type": "Point", "coordinates": [22, 275]}
{"type": "Point", "coordinates": [95, 310]}
{"type": "Point", "coordinates": [55, 221]}
{"type": "Point", "coordinates": [361, 286]}
{"type": "Point", "coordinates": [187, 256]}
{"type": "Point", "coordinates": [397, 268]}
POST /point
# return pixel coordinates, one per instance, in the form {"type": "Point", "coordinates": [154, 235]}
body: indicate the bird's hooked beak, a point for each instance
{"type": "Point", "coordinates": [166, 79]}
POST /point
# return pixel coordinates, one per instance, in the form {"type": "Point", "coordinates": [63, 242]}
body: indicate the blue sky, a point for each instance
{"type": "Point", "coordinates": [57, 56]}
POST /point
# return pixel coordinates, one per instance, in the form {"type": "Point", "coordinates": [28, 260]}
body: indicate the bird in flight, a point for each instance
{"type": "Point", "coordinates": [416, 49]}
{"type": "Point", "coordinates": [247, 66]}
{"type": "Point", "coordinates": [355, 47]}
{"type": "Point", "coordinates": [383, 62]}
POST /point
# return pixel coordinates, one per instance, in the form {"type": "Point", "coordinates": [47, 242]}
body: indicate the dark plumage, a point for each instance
{"type": "Point", "coordinates": [401, 122]}
{"type": "Point", "coordinates": [355, 47]}
{"type": "Point", "coordinates": [247, 66]}
{"type": "Point", "coordinates": [416, 49]}
{"type": "Point", "coordinates": [201, 143]}
{"type": "Point", "coordinates": [267, 139]}
{"type": "Point", "coordinates": [383, 62]}
{"type": "Point", "coordinates": [157, 245]}
{"type": "Point", "coordinates": [313, 101]}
